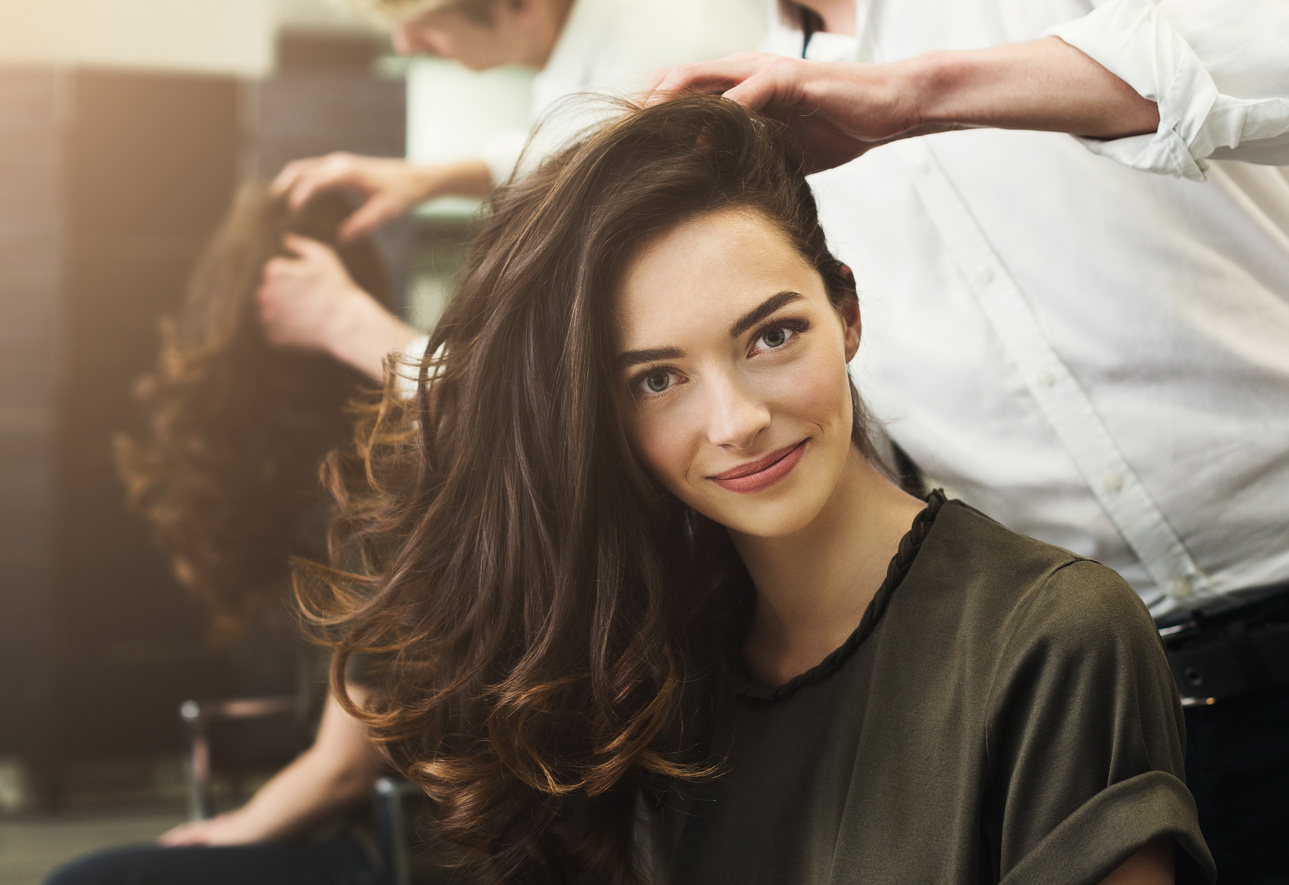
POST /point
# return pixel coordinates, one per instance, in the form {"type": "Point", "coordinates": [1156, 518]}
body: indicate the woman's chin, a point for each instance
{"type": "Point", "coordinates": [772, 526]}
{"type": "Point", "coordinates": [770, 517]}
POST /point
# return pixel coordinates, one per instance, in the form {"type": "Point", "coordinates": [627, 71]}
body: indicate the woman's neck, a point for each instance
{"type": "Point", "coordinates": [813, 587]}
{"type": "Point", "coordinates": [838, 15]}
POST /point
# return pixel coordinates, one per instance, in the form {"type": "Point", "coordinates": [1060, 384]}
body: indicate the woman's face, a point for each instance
{"type": "Point", "coordinates": [732, 372]}
{"type": "Point", "coordinates": [510, 37]}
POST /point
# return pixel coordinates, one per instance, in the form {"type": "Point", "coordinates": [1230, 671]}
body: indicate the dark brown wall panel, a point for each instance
{"type": "Point", "coordinates": [30, 253]}
{"type": "Point", "coordinates": [110, 182]}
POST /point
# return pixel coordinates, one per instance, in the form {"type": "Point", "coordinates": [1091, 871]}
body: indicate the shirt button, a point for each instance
{"type": "Point", "coordinates": [1113, 482]}
{"type": "Point", "coordinates": [922, 165]}
{"type": "Point", "coordinates": [985, 276]}
{"type": "Point", "coordinates": [1046, 379]}
{"type": "Point", "coordinates": [1181, 588]}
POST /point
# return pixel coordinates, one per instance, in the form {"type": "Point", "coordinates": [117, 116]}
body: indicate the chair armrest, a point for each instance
{"type": "Point", "coordinates": [391, 825]}
{"type": "Point", "coordinates": [197, 715]}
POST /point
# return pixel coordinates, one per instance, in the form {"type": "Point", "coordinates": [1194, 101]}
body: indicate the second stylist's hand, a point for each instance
{"type": "Point", "coordinates": [308, 300]}
{"type": "Point", "coordinates": [304, 297]}
{"type": "Point", "coordinates": [388, 187]}
{"type": "Point", "coordinates": [836, 111]}
{"type": "Point", "coordinates": [231, 828]}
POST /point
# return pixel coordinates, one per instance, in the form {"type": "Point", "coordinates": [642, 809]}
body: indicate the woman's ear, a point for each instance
{"type": "Point", "coordinates": [849, 310]}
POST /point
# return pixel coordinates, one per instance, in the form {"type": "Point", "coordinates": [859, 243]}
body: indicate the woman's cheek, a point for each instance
{"type": "Point", "coordinates": [663, 449]}
{"type": "Point", "coordinates": [814, 389]}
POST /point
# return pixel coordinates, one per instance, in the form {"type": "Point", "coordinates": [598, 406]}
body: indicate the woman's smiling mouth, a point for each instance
{"type": "Point", "coordinates": [762, 473]}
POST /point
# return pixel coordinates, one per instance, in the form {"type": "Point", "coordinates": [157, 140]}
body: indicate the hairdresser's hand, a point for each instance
{"type": "Point", "coordinates": [231, 828]}
{"type": "Point", "coordinates": [388, 187]}
{"type": "Point", "coordinates": [838, 110]}
{"type": "Point", "coordinates": [835, 111]}
{"type": "Point", "coordinates": [308, 300]}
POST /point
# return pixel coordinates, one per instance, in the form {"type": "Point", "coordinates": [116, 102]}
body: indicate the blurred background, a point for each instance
{"type": "Point", "coordinates": [125, 126]}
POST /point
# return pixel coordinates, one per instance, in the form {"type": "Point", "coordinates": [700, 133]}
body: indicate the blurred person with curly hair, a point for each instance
{"type": "Point", "coordinates": [227, 477]}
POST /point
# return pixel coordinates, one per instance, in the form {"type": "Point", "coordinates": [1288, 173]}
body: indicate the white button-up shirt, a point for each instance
{"type": "Point", "coordinates": [1092, 354]}
{"type": "Point", "coordinates": [611, 47]}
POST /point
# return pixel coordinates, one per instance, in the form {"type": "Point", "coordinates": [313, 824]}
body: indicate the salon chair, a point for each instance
{"type": "Point", "coordinates": [396, 803]}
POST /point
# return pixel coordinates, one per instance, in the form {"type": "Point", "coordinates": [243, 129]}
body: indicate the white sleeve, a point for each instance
{"type": "Point", "coordinates": [407, 366]}
{"type": "Point", "coordinates": [501, 153]}
{"type": "Point", "coordinates": [634, 39]}
{"type": "Point", "coordinates": [1218, 69]}
{"type": "Point", "coordinates": [647, 35]}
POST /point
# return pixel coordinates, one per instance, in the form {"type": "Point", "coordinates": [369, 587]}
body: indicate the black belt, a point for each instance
{"type": "Point", "coordinates": [1232, 652]}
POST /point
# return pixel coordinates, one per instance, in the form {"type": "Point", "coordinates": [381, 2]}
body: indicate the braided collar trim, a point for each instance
{"type": "Point", "coordinates": [901, 562]}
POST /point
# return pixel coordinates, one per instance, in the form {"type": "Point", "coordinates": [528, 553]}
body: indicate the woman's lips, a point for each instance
{"type": "Point", "coordinates": [763, 473]}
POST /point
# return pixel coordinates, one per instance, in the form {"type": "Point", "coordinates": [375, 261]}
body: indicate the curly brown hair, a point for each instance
{"type": "Point", "coordinates": [227, 472]}
{"type": "Point", "coordinates": [549, 616]}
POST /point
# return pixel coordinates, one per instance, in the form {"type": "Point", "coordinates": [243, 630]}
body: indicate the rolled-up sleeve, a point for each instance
{"type": "Point", "coordinates": [1085, 738]}
{"type": "Point", "coordinates": [1219, 72]}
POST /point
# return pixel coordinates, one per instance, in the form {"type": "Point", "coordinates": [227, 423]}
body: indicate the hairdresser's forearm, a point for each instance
{"type": "Point", "coordinates": [838, 110]}
{"type": "Point", "coordinates": [465, 178]}
{"type": "Point", "coordinates": [363, 333]}
{"type": "Point", "coordinates": [1043, 84]}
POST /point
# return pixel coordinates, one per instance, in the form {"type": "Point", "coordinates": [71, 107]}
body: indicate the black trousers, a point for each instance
{"type": "Point", "coordinates": [1237, 767]}
{"type": "Point", "coordinates": [342, 861]}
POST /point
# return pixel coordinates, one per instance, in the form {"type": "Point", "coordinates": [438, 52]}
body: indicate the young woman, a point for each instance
{"type": "Point", "coordinates": [649, 607]}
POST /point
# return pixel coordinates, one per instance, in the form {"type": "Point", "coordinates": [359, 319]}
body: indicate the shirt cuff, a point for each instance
{"type": "Point", "coordinates": [407, 368]}
{"type": "Point", "coordinates": [1132, 40]}
{"type": "Point", "coordinates": [1111, 827]}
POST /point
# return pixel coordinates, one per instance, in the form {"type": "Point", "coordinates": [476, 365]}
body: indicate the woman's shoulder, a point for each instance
{"type": "Point", "coordinates": [1006, 581]}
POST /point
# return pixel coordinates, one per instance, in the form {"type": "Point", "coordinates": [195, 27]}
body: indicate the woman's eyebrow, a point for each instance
{"type": "Point", "coordinates": [635, 357]}
{"type": "Point", "coordinates": [742, 324]}
{"type": "Point", "coordinates": [756, 314]}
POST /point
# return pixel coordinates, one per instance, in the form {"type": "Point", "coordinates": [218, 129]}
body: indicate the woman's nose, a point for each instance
{"type": "Point", "coordinates": [737, 416]}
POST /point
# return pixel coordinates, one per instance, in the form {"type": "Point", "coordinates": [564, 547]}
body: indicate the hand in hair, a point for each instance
{"type": "Point", "coordinates": [389, 187]}
{"type": "Point", "coordinates": [307, 300]}
{"type": "Point", "coordinates": [838, 110]}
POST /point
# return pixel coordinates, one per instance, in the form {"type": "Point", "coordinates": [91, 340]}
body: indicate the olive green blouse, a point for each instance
{"type": "Point", "coordinates": [1003, 713]}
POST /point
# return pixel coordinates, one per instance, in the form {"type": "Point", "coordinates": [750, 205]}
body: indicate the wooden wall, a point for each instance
{"type": "Point", "coordinates": [30, 251]}
{"type": "Point", "coordinates": [109, 183]}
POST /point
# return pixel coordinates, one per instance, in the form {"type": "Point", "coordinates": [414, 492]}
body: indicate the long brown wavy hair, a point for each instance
{"type": "Point", "coordinates": [548, 616]}
{"type": "Point", "coordinates": [227, 471]}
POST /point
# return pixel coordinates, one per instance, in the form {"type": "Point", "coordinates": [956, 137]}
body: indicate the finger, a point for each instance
{"type": "Point", "coordinates": [265, 299]}
{"type": "Point", "coordinates": [275, 270]}
{"type": "Point", "coordinates": [368, 218]}
{"type": "Point", "coordinates": [308, 184]}
{"type": "Point", "coordinates": [180, 835]}
{"type": "Point", "coordinates": [329, 173]}
{"type": "Point", "coordinates": [710, 76]}
{"type": "Point", "coordinates": [654, 81]}
{"type": "Point", "coordinates": [686, 79]}
{"type": "Point", "coordinates": [772, 85]}
{"type": "Point", "coordinates": [290, 173]}
{"type": "Point", "coordinates": [303, 247]}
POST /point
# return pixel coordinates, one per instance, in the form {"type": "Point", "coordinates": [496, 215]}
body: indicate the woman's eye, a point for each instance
{"type": "Point", "coordinates": [776, 336]}
{"type": "Point", "coordinates": [656, 382]}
